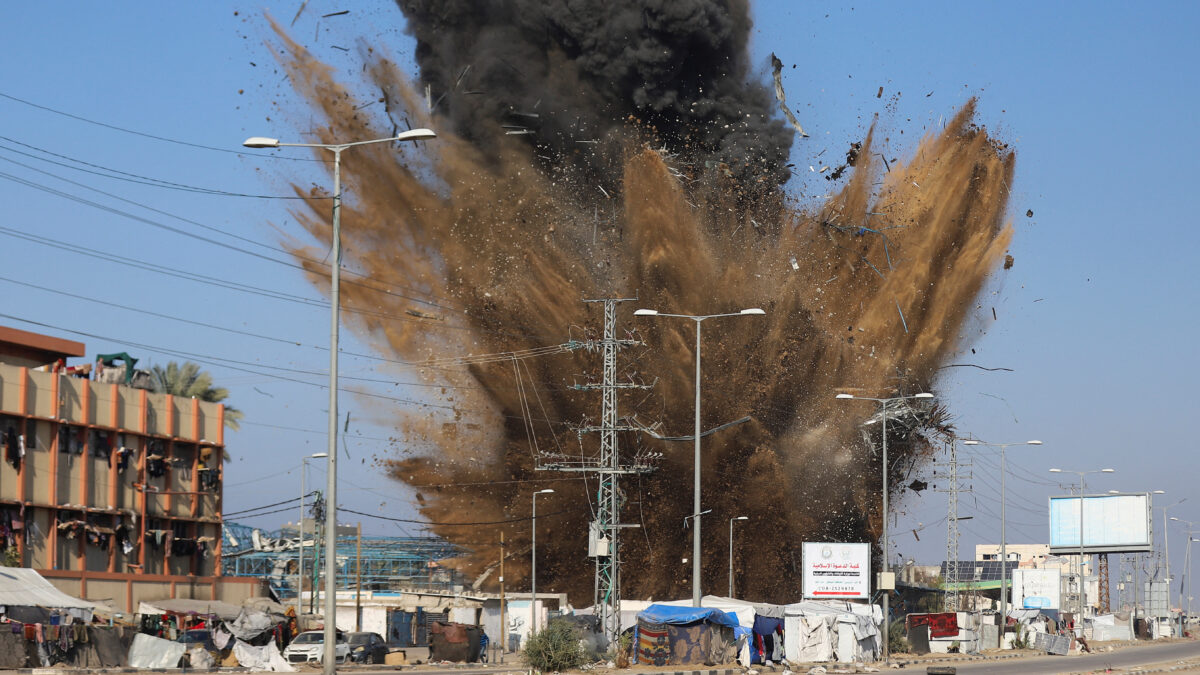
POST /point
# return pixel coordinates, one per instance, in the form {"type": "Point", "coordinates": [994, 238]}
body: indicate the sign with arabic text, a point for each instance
{"type": "Point", "coordinates": [833, 570]}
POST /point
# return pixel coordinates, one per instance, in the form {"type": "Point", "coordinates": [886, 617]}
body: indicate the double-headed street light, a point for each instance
{"type": "Point", "coordinates": [731, 550]}
{"type": "Point", "coordinates": [1082, 586]}
{"type": "Point", "coordinates": [335, 306]}
{"type": "Point", "coordinates": [1003, 533]}
{"type": "Point", "coordinates": [883, 403]}
{"type": "Point", "coordinates": [533, 565]}
{"type": "Point", "coordinates": [696, 459]}
{"type": "Point", "coordinates": [1187, 564]}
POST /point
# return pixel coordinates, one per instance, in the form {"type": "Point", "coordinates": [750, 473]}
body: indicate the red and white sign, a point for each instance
{"type": "Point", "coordinates": [840, 571]}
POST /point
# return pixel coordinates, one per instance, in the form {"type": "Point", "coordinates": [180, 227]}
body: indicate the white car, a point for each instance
{"type": "Point", "coordinates": [309, 647]}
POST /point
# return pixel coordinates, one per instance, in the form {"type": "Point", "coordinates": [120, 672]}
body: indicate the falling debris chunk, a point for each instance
{"type": "Point", "coordinates": [1029, 213]}
{"type": "Point", "coordinates": [879, 94]}
{"type": "Point", "coordinates": [902, 321]}
{"type": "Point", "coordinates": [777, 66]}
{"type": "Point", "coordinates": [1008, 262]}
{"type": "Point", "coordinates": [994, 314]}
{"type": "Point", "coordinates": [795, 265]}
{"type": "Point", "coordinates": [341, 13]}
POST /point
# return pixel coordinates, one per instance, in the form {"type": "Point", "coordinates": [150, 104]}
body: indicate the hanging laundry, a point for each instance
{"type": "Point", "coordinates": [155, 466]}
{"type": "Point", "coordinates": [12, 449]}
{"type": "Point", "coordinates": [210, 479]}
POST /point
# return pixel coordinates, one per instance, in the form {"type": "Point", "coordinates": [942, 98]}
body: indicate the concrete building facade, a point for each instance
{"type": "Point", "coordinates": [111, 492]}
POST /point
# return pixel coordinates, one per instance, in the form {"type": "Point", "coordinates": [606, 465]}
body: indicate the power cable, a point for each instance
{"type": "Point", "coordinates": [342, 509]}
{"type": "Point", "coordinates": [267, 506]}
{"type": "Point", "coordinates": [152, 136]}
{"type": "Point", "coordinates": [231, 235]}
{"type": "Point", "coordinates": [132, 177]}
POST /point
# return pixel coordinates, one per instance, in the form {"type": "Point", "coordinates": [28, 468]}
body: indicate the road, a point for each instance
{"type": "Point", "coordinates": [1123, 658]}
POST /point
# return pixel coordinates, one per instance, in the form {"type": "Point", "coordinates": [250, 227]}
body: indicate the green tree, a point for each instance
{"type": "Point", "coordinates": [189, 381]}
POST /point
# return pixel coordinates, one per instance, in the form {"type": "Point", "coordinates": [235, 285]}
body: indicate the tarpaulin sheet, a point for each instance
{"type": "Point", "coordinates": [266, 657]}
{"type": "Point", "coordinates": [941, 625]}
{"type": "Point", "coordinates": [250, 623]}
{"type": "Point", "coordinates": [700, 643]}
{"type": "Point", "coordinates": [21, 586]}
{"type": "Point", "coordinates": [148, 651]}
{"type": "Point", "coordinates": [668, 614]}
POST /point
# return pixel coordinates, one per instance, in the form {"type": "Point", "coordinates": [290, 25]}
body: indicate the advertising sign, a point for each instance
{"type": "Point", "coordinates": [1111, 524]}
{"type": "Point", "coordinates": [1037, 588]}
{"type": "Point", "coordinates": [833, 570]}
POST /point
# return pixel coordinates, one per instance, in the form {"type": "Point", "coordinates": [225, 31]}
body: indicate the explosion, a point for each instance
{"type": "Point", "coordinates": [622, 149]}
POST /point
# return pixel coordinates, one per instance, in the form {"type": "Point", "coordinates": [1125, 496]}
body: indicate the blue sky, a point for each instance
{"type": "Point", "coordinates": [1096, 317]}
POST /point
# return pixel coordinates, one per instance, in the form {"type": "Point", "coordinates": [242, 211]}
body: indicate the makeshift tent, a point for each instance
{"type": "Point", "coordinates": [266, 657]}
{"type": "Point", "coordinates": [763, 620]}
{"type": "Point", "coordinates": [27, 597]}
{"type": "Point", "coordinates": [851, 631]}
{"type": "Point", "coordinates": [669, 635]}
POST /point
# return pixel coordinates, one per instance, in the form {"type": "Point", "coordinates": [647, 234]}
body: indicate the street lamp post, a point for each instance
{"type": "Point", "coordinates": [335, 308]}
{"type": "Point", "coordinates": [731, 551]}
{"type": "Point", "coordinates": [533, 565]}
{"type": "Point", "coordinates": [883, 402]}
{"type": "Point", "coordinates": [1003, 533]}
{"type": "Point", "coordinates": [1082, 587]}
{"type": "Point", "coordinates": [696, 439]}
{"type": "Point", "coordinates": [300, 524]}
{"type": "Point", "coordinates": [1187, 567]}
{"type": "Point", "coordinates": [1167, 548]}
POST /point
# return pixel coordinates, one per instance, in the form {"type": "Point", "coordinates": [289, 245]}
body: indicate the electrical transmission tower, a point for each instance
{"type": "Point", "coordinates": [953, 487]}
{"type": "Point", "coordinates": [604, 534]}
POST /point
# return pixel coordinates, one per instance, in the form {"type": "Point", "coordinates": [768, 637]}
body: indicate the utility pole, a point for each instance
{"type": "Point", "coordinates": [358, 581]}
{"type": "Point", "coordinates": [953, 602]}
{"type": "Point", "coordinates": [503, 604]}
{"type": "Point", "coordinates": [604, 532]}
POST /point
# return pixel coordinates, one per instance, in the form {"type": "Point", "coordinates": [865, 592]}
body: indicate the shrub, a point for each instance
{"type": "Point", "coordinates": [897, 638]}
{"type": "Point", "coordinates": [556, 648]}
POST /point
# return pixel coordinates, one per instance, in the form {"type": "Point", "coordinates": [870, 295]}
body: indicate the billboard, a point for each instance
{"type": "Point", "coordinates": [1037, 588]}
{"type": "Point", "coordinates": [833, 570]}
{"type": "Point", "coordinates": [1111, 524]}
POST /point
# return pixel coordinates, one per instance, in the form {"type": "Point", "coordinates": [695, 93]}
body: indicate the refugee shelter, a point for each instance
{"type": "Point", "coordinates": [684, 636]}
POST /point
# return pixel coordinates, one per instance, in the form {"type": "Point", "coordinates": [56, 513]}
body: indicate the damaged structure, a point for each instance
{"type": "Point", "coordinates": [111, 492]}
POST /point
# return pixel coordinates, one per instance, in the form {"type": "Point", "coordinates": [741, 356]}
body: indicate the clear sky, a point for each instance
{"type": "Point", "coordinates": [1098, 100]}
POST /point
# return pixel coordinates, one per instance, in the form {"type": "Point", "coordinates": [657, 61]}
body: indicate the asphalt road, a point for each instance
{"type": "Point", "coordinates": [1123, 658]}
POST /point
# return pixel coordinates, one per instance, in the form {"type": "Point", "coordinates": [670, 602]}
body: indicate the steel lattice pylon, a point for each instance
{"type": "Point", "coordinates": [953, 601]}
{"type": "Point", "coordinates": [607, 463]}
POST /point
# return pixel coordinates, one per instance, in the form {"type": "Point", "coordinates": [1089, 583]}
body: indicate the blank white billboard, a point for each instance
{"type": "Point", "coordinates": [1111, 524]}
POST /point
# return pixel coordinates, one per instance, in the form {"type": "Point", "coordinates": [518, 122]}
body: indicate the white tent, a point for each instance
{"type": "Point", "coordinates": [23, 587]}
{"type": "Point", "coordinates": [822, 630]}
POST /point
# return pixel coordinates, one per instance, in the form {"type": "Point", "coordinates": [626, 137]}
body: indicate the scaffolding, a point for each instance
{"type": "Point", "coordinates": [385, 563]}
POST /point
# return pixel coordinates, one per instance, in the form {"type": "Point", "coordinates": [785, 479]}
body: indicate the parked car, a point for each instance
{"type": "Point", "coordinates": [367, 647]}
{"type": "Point", "coordinates": [309, 647]}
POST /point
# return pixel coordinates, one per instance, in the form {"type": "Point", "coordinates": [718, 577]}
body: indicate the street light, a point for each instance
{"type": "Point", "coordinates": [1167, 544]}
{"type": "Point", "coordinates": [303, 494]}
{"type": "Point", "coordinates": [533, 584]}
{"type": "Point", "coordinates": [1003, 533]}
{"type": "Point", "coordinates": [335, 277]}
{"type": "Point", "coordinates": [1082, 587]}
{"type": "Point", "coordinates": [883, 402]}
{"type": "Point", "coordinates": [1187, 565]}
{"type": "Point", "coordinates": [731, 551]}
{"type": "Point", "coordinates": [696, 458]}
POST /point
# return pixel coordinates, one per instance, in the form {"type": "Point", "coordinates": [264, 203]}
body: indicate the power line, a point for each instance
{"type": "Point", "coordinates": [319, 385]}
{"type": "Point", "coordinates": [192, 235]}
{"type": "Point", "coordinates": [132, 177]}
{"type": "Point", "coordinates": [152, 136]}
{"type": "Point", "coordinates": [425, 522]}
{"type": "Point", "coordinates": [232, 235]}
{"type": "Point", "coordinates": [267, 506]}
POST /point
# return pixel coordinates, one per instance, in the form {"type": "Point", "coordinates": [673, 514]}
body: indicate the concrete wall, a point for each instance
{"type": "Point", "coordinates": [123, 592]}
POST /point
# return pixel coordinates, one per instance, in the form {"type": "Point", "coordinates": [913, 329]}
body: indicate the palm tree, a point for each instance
{"type": "Point", "coordinates": [189, 381]}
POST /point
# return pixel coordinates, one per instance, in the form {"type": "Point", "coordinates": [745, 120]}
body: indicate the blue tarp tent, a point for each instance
{"type": "Point", "coordinates": [683, 615]}
{"type": "Point", "coordinates": [669, 635]}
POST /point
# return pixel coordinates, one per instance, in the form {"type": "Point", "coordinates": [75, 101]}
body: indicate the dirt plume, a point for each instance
{"type": "Point", "coordinates": [484, 246]}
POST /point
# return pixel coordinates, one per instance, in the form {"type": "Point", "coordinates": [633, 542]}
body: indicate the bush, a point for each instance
{"type": "Point", "coordinates": [897, 637]}
{"type": "Point", "coordinates": [556, 648]}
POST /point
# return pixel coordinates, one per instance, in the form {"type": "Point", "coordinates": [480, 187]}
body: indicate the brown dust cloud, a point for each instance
{"type": "Point", "coordinates": [622, 149]}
